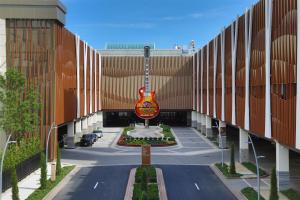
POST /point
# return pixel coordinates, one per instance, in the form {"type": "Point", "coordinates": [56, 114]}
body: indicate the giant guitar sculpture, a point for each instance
{"type": "Point", "coordinates": [146, 107]}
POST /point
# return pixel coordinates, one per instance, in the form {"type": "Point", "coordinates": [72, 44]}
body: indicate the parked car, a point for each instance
{"type": "Point", "coordinates": [94, 136]}
{"type": "Point", "coordinates": [98, 133]}
{"type": "Point", "coordinates": [87, 140]}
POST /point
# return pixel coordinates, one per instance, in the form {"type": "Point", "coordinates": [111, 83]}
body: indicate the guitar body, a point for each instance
{"type": "Point", "coordinates": [146, 107]}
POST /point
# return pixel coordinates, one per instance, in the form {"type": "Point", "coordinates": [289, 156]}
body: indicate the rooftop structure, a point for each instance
{"type": "Point", "coordinates": [33, 9]}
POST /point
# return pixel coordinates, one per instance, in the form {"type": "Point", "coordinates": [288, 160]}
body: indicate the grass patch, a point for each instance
{"type": "Point", "coordinates": [225, 170]}
{"type": "Point", "coordinates": [291, 194]}
{"type": "Point", "coordinates": [252, 168]}
{"type": "Point", "coordinates": [250, 193]}
{"type": "Point", "coordinates": [41, 193]}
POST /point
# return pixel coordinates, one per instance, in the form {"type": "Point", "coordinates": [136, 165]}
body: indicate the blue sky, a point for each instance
{"type": "Point", "coordinates": [164, 22]}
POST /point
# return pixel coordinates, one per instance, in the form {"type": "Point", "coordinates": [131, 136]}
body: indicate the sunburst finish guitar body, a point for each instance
{"type": "Point", "coordinates": [147, 107]}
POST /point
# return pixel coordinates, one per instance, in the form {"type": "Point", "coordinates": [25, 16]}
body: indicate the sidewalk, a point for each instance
{"type": "Point", "coordinates": [235, 185]}
{"type": "Point", "coordinates": [28, 185]}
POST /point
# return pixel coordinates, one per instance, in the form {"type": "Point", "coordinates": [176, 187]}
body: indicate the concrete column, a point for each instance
{"type": "Point", "coordinates": [71, 135]}
{"type": "Point", "coordinates": [78, 130]}
{"type": "Point", "coordinates": [198, 121]}
{"type": "Point", "coordinates": [282, 167]}
{"type": "Point", "coordinates": [208, 131]}
{"type": "Point", "coordinates": [203, 124]}
{"type": "Point", "coordinates": [84, 125]}
{"type": "Point", "coordinates": [222, 135]}
{"type": "Point", "coordinates": [194, 119]}
{"type": "Point", "coordinates": [244, 146]}
{"type": "Point", "coordinates": [101, 119]}
{"type": "Point", "coordinates": [90, 123]}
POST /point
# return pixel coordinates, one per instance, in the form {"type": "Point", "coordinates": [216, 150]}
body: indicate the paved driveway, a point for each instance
{"type": "Point", "coordinates": [183, 182]}
{"type": "Point", "coordinates": [193, 183]}
{"type": "Point", "coordinates": [97, 183]}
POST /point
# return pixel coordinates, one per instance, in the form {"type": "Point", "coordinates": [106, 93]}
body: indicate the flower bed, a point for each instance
{"type": "Point", "coordinates": [167, 140]}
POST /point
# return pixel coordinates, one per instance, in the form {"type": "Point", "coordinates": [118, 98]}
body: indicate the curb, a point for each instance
{"type": "Point", "coordinates": [161, 184]}
{"type": "Point", "coordinates": [129, 188]}
{"type": "Point", "coordinates": [60, 186]}
{"type": "Point", "coordinates": [236, 193]}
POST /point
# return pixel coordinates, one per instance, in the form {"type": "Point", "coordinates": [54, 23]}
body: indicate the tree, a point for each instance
{"type": "Point", "coordinates": [20, 105]}
{"type": "Point", "coordinates": [232, 161]}
{"type": "Point", "coordinates": [14, 183]}
{"type": "Point", "coordinates": [43, 179]}
{"type": "Point", "coordinates": [274, 189]}
{"type": "Point", "coordinates": [58, 162]}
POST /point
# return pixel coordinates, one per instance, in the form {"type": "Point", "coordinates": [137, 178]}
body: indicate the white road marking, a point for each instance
{"type": "Point", "coordinates": [96, 186]}
{"type": "Point", "coordinates": [247, 183]}
{"type": "Point", "coordinates": [265, 182]}
{"type": "Point", "coordinates": [197, 186]}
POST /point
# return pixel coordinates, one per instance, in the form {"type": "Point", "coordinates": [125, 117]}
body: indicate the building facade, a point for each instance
{"type": "Point", "coordinates": [245, 77]}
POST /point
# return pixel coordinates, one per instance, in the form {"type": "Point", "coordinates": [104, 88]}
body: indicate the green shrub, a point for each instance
{"type": "Point", "coordinates": [144, 182]}
{"type": "Point", "coordinates": [137, 191]}
{"type": "Point", "coordinates": [144, 196]}
{"type": "Point", "coordinates": [153, 193]}
{"type": "Point", "coordinates": [274, 190]}
{"type": "Point", "coordinates": [24, 149]}
{"type": "Point", "coordinates": [58, 161]}
{"type": "Point", "coordinates": [43, 165]}
{"type": "Point", "coordinates": [151, 174]}
{"type": "Point", "coordinates": [232, 161]}
{"type": "Point", "coordinates": [14, 183]}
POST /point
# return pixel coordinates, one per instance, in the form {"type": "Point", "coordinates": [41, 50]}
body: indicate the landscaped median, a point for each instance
{"type": "Point", "coordinates": [146, 182]}
{"type": "Point", "coordinates": [39, 194]}
{"type": "Point", "coordinates": [167, 139]}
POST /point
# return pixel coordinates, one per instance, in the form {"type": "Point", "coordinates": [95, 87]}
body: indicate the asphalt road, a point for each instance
{"type": "Point", "coordinates": [193, 182]}
{"type": "Point", "coordinates": [183, 182]}
{"type": "Point", "coordinates": [97, 183]}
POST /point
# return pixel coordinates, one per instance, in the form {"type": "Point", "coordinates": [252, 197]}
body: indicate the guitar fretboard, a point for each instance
{"type": "Point", "coordinates": [146, 80]}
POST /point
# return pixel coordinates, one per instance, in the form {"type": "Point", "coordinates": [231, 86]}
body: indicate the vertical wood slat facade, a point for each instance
{"type": "Point", "coordinates": [257, 71]}
{"type": "Point", "coordinates": [283, 70]}
{"type": "Point", "coordinates": [170, 77]}
{"type": "Point", "coordinates": [283, 73]}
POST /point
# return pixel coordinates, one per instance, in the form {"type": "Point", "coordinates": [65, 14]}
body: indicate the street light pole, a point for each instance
{"type": "Point", "coordinates": [257, 167]}
{"type": "Point", "coordinates": [2, 161]}
{"type": "Point", "coordinates": [48, 138]}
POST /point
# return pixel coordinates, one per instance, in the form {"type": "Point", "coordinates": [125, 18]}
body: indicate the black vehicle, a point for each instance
{"type": "Point", "coordinates": [95, 137]}
{"type": "Point", "coordinates": [87, 140]}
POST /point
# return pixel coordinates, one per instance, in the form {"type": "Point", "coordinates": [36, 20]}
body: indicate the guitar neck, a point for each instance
{"type": "Point", "coordinates": [146, 80]}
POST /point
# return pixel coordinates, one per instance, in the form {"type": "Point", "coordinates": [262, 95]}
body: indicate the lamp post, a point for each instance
{"type": "Point", "coordinates": [257, 166]}
{"type": "Point", "coordinates": [48, 138]}
{"type": "Point", "coordinates": [2, 161]}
